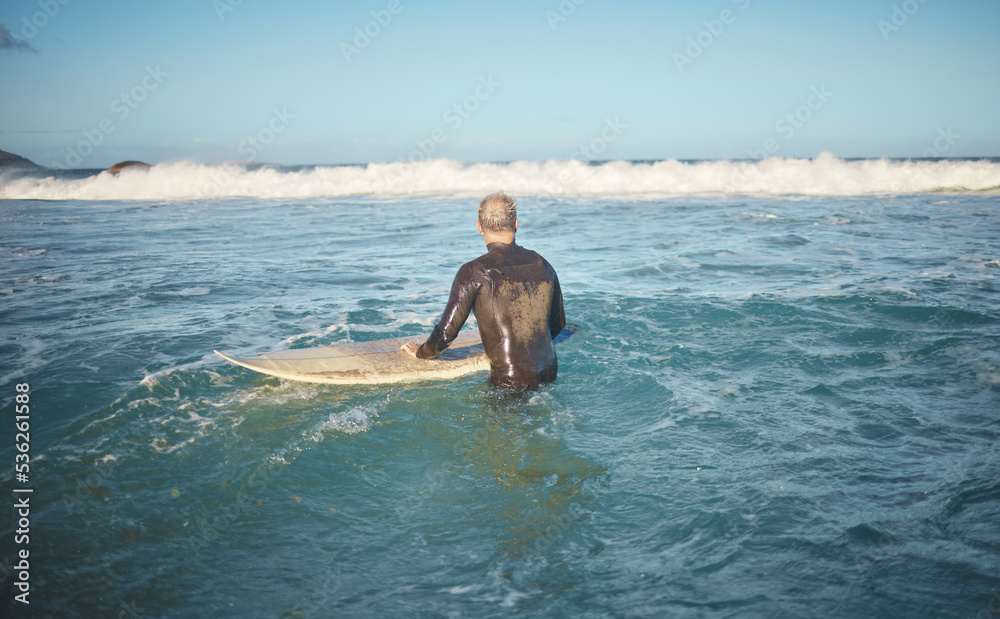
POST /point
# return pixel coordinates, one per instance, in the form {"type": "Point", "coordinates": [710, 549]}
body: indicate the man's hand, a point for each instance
{"type": "Point", "coordinates": [410, 348]}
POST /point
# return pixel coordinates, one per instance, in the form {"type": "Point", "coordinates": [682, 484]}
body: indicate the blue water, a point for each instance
{"type": "Point", "coordinates": [777, 406]}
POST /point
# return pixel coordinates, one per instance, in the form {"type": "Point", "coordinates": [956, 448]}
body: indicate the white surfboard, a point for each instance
{"type": "Point", "coordinates": [374, 363]}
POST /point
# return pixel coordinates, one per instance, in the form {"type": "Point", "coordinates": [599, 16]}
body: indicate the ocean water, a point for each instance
{"type": "Point", "coordinates": [783, 401]}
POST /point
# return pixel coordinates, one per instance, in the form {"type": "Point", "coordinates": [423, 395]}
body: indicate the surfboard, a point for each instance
{"type": "Point", "coordinates": [374, 363]}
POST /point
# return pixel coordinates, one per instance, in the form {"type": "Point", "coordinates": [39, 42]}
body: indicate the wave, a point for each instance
{"type": "Point", "coordinates": [825, 175]}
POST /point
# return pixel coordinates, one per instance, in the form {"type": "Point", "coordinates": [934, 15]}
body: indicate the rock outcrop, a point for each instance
{"type": "Point", "coordinates": [128, 165]}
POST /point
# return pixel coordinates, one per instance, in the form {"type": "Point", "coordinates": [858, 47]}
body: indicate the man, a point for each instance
{"type": "Point", "coordinates": [516, 297]}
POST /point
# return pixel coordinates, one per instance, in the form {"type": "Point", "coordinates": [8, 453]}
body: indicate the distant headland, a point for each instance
{"type": "Point", "coordinates": [12, 161]}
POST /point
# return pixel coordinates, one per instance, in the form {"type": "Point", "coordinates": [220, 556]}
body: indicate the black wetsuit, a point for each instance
{"type": "Point", "coordinates": [515, 294]}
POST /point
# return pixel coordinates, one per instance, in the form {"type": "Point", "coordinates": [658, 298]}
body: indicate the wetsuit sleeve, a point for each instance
{"type": "Point", "coordinates": [557, 315]}
{"type": "Point", "coordinates": [464, 290]}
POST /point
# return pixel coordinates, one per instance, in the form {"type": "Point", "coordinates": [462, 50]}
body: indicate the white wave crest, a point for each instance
{"type": "Point", "coordinates": [824, 175]}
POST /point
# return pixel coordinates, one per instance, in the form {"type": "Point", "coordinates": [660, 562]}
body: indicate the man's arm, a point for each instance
{"type": "Point", "coordinates": [460, 303]}
{"type": "Point", "coordinates": [557, 314]}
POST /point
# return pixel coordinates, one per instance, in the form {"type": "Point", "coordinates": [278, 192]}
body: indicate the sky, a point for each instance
{"type": "Point", "coordinates": [88, 84]}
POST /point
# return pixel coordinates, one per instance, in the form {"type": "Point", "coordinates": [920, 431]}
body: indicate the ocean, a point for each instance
{"type": "Point", "coordinates": [783, 399]}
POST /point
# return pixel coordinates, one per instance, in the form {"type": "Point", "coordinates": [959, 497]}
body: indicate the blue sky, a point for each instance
{"type": "Point", "coordinates": [87, 84]}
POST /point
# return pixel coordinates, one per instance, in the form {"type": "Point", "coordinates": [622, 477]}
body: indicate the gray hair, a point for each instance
{"type": "Point", "coordinates": [498, 212]}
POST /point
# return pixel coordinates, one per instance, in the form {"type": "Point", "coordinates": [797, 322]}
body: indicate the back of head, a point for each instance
{"type": "Point", "coordinates": [498, 213]}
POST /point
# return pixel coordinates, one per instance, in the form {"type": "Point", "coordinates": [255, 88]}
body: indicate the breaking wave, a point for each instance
{"type": "Point", "coordinates": [825, 175]}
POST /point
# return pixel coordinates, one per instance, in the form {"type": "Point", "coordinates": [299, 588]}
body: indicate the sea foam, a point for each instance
{"type": "Point", "coordinates": [823, 176]}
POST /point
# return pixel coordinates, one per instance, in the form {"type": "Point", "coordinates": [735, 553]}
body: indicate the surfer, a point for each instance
{"type": "Point", "coordinates": [517, 300]}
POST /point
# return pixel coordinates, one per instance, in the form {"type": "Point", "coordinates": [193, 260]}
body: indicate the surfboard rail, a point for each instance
{"type": "Point", "coordinates": [373, 363]}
